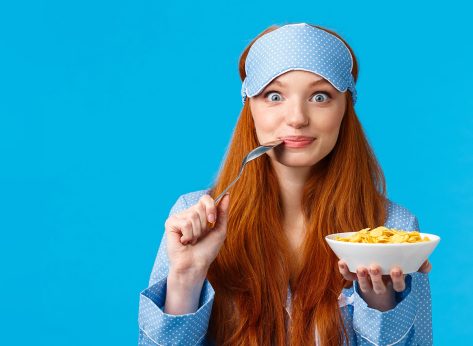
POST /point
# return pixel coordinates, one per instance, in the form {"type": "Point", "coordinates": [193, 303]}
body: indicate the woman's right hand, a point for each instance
{"type": "Point", "coordinates": [192, 246]}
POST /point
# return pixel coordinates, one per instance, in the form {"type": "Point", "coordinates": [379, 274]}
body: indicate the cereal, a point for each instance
{"type": "Point", "coordinates": [383, 235]}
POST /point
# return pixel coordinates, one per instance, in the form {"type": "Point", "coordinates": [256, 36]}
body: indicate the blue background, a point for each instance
{"type": "Point", "coordinates": [110, 110]}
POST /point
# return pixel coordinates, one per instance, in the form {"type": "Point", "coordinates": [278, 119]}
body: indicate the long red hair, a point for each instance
{"type": "Point", "coordinates": [345, 191]}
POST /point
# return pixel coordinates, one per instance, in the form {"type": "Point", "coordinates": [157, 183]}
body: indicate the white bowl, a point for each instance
{"type": "Point", "coordinates": [408, 256]}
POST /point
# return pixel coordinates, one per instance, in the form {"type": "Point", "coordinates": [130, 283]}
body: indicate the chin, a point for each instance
{"type": "Point", "coordinates": [297, 162]}
{"type": "Point", "coordinates": [296, 158]}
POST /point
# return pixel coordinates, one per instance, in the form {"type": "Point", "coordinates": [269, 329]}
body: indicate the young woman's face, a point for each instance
{"type": "Point", "coordinates": [298, 103]}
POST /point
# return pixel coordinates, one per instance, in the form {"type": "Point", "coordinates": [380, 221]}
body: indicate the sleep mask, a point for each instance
{"type": "Point", "coordinates": [298, 47]}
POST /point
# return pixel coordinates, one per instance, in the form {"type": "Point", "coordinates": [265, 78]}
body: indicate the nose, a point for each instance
{"type": "Point", "coordinates": [297, 117]}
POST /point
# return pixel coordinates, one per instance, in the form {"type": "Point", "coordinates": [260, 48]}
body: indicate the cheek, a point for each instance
{"type": "Point", "coordinates": [330, 119]}
{"type": "Point", "coordinates": [265, 122]}
{"type": "Point", "coordinates": [328, 129]}
{"type": "Point", "coordinates": [329, 124]}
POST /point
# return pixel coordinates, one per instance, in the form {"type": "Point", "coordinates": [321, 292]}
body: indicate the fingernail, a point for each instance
{"type": "Point", "coordinates": [374, 271]}
{"type": "Point", "coordinates": [211, 218]}
{"type": "Point", "coordinates": [397, 274]}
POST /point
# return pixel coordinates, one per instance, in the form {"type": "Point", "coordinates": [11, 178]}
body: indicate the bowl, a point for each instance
{"type": "Point", "coordinates": [408, 256]}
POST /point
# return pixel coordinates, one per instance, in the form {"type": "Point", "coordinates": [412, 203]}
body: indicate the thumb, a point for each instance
{"type": "Point", "coordinates": [222, 211]}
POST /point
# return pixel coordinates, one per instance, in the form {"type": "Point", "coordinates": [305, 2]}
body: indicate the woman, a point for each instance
{"type": "Point", "coordinates": [264, 274]}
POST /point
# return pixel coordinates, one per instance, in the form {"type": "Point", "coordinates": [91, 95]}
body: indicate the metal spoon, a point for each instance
{"type": "Point", "coordinates": [257, 152]}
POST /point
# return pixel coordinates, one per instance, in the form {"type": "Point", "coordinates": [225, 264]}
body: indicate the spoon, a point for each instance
{"type": "Point", "coordinates": [257, 152]}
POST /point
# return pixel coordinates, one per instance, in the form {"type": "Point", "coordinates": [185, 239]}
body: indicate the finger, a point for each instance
{"type": "Point", "coordinates": [195, 218]}
{"type": "Point", "coordinates": [363, 279]}
{"type": "Point", "coordinates": [425, 267]}
{"type": "Point", "coordinates": [210, 208]}
{"type": "Point", "coordinates": [422, 267]}
{"type": "Point", "coordinates": [398, 279]}
{"type": "Point", "coordinates": [183, 226]}
{"type": "Point", "coordinates": [376, 279]}
{"type": "Point", "coordinates": [200, 208]}
{"type": "Point", "coordinates": [186, 228]}
{"type": "Point", "coordinates": [343, 268]}
{"type": "Point", "coordinates": [222, 212]}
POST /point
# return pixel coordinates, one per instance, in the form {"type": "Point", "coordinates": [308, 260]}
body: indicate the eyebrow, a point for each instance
{"type": "Point", "coordinates": [320, 81]}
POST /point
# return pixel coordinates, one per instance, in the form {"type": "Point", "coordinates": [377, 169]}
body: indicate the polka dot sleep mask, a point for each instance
{"type": "Point", "coordinates": [298, 47]}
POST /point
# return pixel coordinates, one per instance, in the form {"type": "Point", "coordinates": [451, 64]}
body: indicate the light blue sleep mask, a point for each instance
{"type": "Point", "coordinates": [298, 47]}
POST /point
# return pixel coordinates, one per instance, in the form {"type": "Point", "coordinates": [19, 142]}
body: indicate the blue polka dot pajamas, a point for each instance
{"type": "Point", "coordinates": [408, 323]}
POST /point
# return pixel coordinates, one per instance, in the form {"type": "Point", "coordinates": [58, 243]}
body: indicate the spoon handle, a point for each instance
{"type": "Point", "coordinates": [257, 152]}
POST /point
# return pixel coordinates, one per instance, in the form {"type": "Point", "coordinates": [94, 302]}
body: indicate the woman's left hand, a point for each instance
{"type": "Point", "coordinates": [379, 290]}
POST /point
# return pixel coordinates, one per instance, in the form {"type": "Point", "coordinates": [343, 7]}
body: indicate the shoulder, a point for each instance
{"type": "Point", "coordinates": [186, 200]}
{"type": "Point", "coordinates": [400, 217]}
{"type": "Point", "coordinates": [191, 198]}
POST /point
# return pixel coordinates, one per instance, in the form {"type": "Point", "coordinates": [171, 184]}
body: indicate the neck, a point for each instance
{"type": "Point", "coordinates": [291, 182]}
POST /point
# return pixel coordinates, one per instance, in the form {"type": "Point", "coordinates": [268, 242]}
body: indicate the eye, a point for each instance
{"type": "Point", "coordinates": [273, 98]}
{"type": "Point", "coordinates": [320, 98]}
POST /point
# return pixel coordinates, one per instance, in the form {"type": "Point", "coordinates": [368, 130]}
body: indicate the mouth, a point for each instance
{"type": "Point", "coordinates": [297, 141]}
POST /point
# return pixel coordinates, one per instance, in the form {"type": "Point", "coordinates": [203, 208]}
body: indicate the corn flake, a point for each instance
{"type": "Point", "coordinates": [383, 235]}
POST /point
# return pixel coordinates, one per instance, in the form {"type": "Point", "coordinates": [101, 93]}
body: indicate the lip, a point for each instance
{"type": "Point", "coordinates": [297, 141]}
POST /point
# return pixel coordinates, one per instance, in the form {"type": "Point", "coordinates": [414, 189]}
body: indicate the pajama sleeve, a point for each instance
{"type": "Point", "coordinates": [159, 328]}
